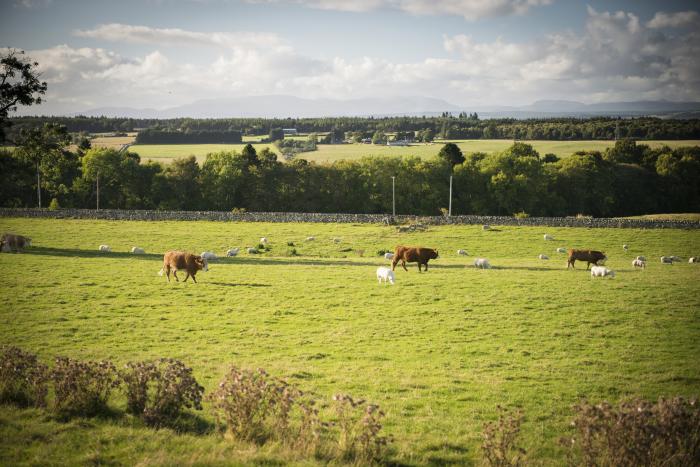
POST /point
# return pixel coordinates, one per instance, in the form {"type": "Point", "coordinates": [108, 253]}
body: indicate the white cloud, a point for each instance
{"type": "Point", "coordinates": [674, 20]}
{"type": "Point", "coordinates": [469, 9]}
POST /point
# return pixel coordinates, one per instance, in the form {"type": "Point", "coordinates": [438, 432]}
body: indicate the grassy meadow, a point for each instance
{"type": "Point", "coordinates": [437, 351]}
{"type": "Point", "coordinates": [330, 153]}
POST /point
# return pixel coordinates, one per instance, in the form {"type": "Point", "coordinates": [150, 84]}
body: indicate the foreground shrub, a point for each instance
{"type": "Point", "coordinates": [636, 433]}
{"type": "Point", "coordinates": [158, 391]}
{"type": "Point", "coordinates": [499, 446]}
{"type": "Point", "coordinates": [359, 426]}
{"type": "Point", "coordinates": [23, 379]}
{"type": "Point", "coordinates": [253, 405]}
{"type": "Point", "coordinates": [82, 388]}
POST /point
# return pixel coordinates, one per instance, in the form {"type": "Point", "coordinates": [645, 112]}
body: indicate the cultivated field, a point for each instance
{"type": "Point", "coordinates": [329, 153]}
{"type": "Point", "coordinates": [437, 351]}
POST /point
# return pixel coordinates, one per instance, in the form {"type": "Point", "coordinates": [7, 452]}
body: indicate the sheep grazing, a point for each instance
{"type": "Point", "coordinates": [641, 258]}
{"type": "Point", "coordinates": [676, 259]}
{"type": "Point", "coordinates": [252, 251]}
{"type": "Point", "coordinates": [137, 251]}
{"type": "Point", "coordinates": [389, 256]}
{"type": "Point", "coordinates": [485, 227]}
{"type": "Point", "coordinates": [208, 255]}
{"type": "Point", "coordinates": [482, 263]}
{"type": "Point", "coordinates": [638, 263]}
{"type": "Point", "coordinates": [666, 260]}
{"type": "Point", "coordinates": [548, 237]}
{"type": "Point", "coordinates": [694, 259]}
{"type": "Point", "coordinates": [543, 257]}
{"type": "Point", "coordinates": [385, 275]}
{"type": "Point", "coordinates": [232, 252]}
{"type": "Point", "coordinates": [462, 252]}
{"type": "Point", "coordinates": [105, 248]}
{"type": "Point", "coordinates": [561, 250]}
{"type": "Point", "coordinates": [310, 239]}
{"type": "Point", "coordinates": [336, 240]}
{"type": "Point", "coordinates": [601, 271]}
{"type": "Point", "coordinates": [263, 240]}
{"type": "Point", "coordinates": [625, 247]}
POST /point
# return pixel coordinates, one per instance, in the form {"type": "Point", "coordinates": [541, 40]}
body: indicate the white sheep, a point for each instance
{"type": "Point", "coordinates": [252, 251]}
{"type": "Point", "coordinates": [389, 256]}
{"type": "Point", "coordinates": [138, 251]}
{"type": "Point", "coordinates": [638, 263]}
{"type": "Point", "coordinates": [482, 263]}
{"type": "Point", "coordinates": [105, 248]}
{"type": "Point", "coordinates": [263, 240]}
{"type": "Point", "coordinates": [601, 271]}
{"type": "Point", "coordinates": [485, 227]}
{"type": "Point", "coordinates": [208, 255]}
{"type": "Point", "coordinates": [232, 251]}
{"type": "Point", "coordinates": [336, 240]}
{"type": "Point", "coordinates": [310, 239]}
{"type": "Point", "coordinates": [666, 260]}
{"type": "Point", "coordinates": [385, 275]}
{"type": "Point", "coordinates": [462, 252]}
{"type": "Point", "coordinates": [625, 247]}
{"type": "Point", "coordinates": [694, 259]}
{"type": "Point", "coordinates": [641, 258]}
{"type": "Point", "coordinates": [561, 250]}
{"type": "Point", "coordinates": [543, 257]}
{"type": "Point", "coordinates": [548, 237]}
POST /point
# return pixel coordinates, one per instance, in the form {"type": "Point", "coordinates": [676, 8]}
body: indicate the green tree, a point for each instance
{"type": "Point", "coordinates": [276, 134]}
{"type": "Point", "coordinates": [250, 155]}
{"type": "Point", "coordinates": [42, 147]}
{"type": "Point", "coordinates": [451, 153]}
{"type": "Point", "coordinates": [19, 84]}
{"type": "Point", "coordinates": [378, 137]}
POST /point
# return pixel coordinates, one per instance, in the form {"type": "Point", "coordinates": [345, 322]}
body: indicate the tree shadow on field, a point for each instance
{"type": "Point", "coordinates": [333, 262]}
{"type": "Point", "coordinates": [447, 454]}
{"type": "Point", "coordinates": [231, 284]}
{"type": "Point", "coordinates": [77, 253]}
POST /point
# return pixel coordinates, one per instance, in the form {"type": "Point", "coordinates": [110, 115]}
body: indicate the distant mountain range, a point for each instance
{"type": "Point", "coordinates": [282, 106]}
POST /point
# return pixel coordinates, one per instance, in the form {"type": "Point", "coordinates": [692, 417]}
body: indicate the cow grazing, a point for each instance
{"type": "Point", "coordinates": [561, 250]}
{"type": "Point", "coordinates": [462, 252]}
{"type": "Point", "coordinates": [418, 255]}
{"type": "Point", "coordinates": [389, 256]}
{"type": "Point", "coordinates": [543, 257]}
{"type": "Point", "coordinates": [13, 242]}
{"type": "Point", "coordinates": [548, 237]}
{"type": "Point", "coordinates": [105, 248]}
{"type": "Point", "coordinates": [385, 275]}
{"type": "Point", "coordinates": [589, 256]}
{"type": "Point", "coordinates": [482, 263]}
{"type": "Point", "coordinates": [232, 252]}
{"type": "Point", "coordinates": [208, 255]}
{"type": "Point", "coordinates": [176, 260]}
{"type": "Point", "coordinates": [637, 263]}
{"type": "Point", "coordinates": [138, 251]}
{"type": "Point", "coordinates": [601, 271]}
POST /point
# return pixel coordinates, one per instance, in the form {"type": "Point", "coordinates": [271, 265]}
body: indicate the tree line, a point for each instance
{"type": "Point", "coordinates": [627, 179]}
{"type": "Point", "coordinates": [446, 126]}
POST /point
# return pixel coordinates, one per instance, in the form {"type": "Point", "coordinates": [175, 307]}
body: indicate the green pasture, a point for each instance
{"type": "Point", "coordinates": [437, 351]}
{"type": "Point", "coordinates": [330, 153]}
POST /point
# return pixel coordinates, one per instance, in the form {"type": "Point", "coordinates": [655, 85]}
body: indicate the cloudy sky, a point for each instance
{"type": "Point", "coordinates": [164, 53]}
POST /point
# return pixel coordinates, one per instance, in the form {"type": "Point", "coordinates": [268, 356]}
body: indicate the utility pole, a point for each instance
{"type": "Point", "coordinates": [449, 211]}
{"type": "Point", "coordinates": [393, 196]}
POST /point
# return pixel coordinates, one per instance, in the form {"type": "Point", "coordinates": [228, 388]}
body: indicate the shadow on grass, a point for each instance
{"type": "Point", "coordinates": [447, 454]}
{"type": "Point", "coordinates": [77, 253]}
{"type": "Point", "coordinates": [231, 284]}
{"type": "Point", "coordinates": [189, 423]}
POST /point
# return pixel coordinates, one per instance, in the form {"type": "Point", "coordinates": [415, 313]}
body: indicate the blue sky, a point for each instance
{"type": "Point", "coordinates": [162, 53]}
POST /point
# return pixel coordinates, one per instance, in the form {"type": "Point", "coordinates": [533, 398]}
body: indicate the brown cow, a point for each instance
{"type": "Point", "coordinates": [590, 256]}
{"type": "Point", "coordinates": [418, 255]}
{"type": "Point", "coordinates": [11, 242]}
{"type": "Point", "coordinates": [181, 260]}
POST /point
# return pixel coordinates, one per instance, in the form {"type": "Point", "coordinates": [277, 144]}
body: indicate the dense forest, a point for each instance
{"type": "Point", "coordinates": [462, 126]}
{"type": "Point", "coordinates": [627, 179]}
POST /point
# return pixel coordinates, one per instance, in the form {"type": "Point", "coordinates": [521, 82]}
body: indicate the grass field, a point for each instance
{"type": "Point", "coordinates": [437, 351]}
{"type": "Point", "coordinates": [329, 153]}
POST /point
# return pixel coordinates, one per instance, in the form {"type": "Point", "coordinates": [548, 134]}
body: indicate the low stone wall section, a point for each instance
{"type": "Point", "coordinates": [223, 216]}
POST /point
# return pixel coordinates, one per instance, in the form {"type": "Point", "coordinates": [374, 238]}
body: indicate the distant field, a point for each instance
{"type": "Point", "coordinates": [438, 350]}
{"type": "Point", "coordinates": [329, 153]}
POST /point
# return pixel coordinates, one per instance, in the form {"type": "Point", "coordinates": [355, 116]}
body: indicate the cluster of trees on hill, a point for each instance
{"type": "Point", "coordinates": [627, 179]}
{"type": "Point", "coordinates": [447, 126]}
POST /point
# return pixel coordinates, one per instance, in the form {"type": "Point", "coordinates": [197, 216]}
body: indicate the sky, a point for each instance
{"type": "Point", "coordinates": [470, 53]}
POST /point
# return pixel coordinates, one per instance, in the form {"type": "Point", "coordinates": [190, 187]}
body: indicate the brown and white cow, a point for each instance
{"type": "Point", "coordinates": [12, 242]}
{"type": "Point", "coordinates": [175, 260]}
{"type": "Point", "coordinates": [418, 255]}
{"type": "Point", "coordinates": [589, 256]}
